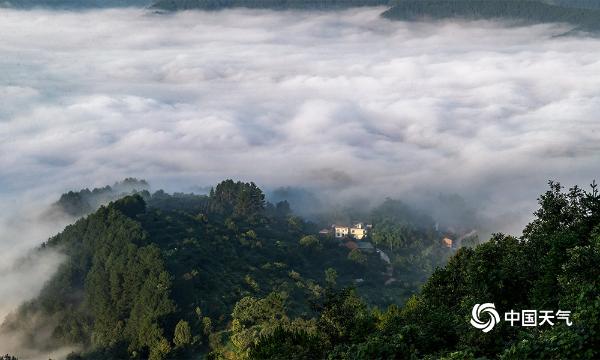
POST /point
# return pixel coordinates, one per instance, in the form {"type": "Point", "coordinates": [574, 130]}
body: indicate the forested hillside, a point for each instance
{"type": "Point", "coordinates": [163, 275]}
{"type": "Point", "coordinates": [554, 265]}
{"type": "Point", "coordinates": [231, 276]}
{"type": "Point", "coordinates": [524, 11]}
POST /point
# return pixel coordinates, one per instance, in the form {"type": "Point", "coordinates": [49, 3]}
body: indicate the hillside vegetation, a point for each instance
{"type": "Point", "coordinates": [553, 266]}
{"type": "Point", "coordinates": [165, 275]}
{"type": "Point", "coordinates": [231, 276]}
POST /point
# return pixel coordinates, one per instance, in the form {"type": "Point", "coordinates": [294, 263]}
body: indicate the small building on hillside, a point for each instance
{"type": "Point", "coordinates": [341, 231]}
{"type": "Point", "coordinates": [358, 231]}
{"type": "Point", "coordinates": [447, 242]}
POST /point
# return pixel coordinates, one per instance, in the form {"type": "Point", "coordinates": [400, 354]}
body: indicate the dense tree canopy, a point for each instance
{"type": "Point", "coordinates": [222, 275]}
{"type": "Point", "coordinates": [159, 275]}
{"type": "Point", "coordinates": [554, 265]}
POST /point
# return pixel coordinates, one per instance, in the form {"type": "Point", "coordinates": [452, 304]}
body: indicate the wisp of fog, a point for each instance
{"type": "Point", "coordinates": [345, 103]}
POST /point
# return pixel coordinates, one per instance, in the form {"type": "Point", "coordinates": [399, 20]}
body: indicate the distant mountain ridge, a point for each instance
{"type": "Point", "coordinates": [73, 4]}
{"type": "Point", "coordinates": [581, 4]}
{"type": "Point", "coordinates": [525, 11]}
{"type": "Point", "coordinates": [173, 5]}
{"type": "Point", "coordinates": [584, 15]}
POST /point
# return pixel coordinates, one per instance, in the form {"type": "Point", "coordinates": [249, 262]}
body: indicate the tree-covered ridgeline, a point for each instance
{"type": "Point", "coordinates": [85, 201]}
{"type": "Point", "coordinates": [520, 11]}
{"type": "Point", "coordinates": [157, 275]}
{"type": "Point", "coordinates": [229, 275]}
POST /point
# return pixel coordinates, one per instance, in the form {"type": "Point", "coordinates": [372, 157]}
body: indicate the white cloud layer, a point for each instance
{"type": "Point", "coordinates": [24, 270]}
{"type": "Point", "coordinates": [341, 101]}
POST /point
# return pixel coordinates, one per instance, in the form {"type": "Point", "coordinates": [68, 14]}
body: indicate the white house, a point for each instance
{"type": "Point", "coordinates": [358, 231]}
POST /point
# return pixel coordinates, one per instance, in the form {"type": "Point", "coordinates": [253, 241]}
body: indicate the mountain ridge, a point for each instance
{"type": "Point", "coordinates": [142, 263]}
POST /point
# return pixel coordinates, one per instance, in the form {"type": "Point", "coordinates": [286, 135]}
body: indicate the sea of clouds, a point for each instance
{"type": "Point", "coordinates": [344, 103]}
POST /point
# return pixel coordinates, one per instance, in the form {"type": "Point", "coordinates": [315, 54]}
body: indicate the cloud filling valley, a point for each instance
{"type": "Point", "coordinates": [344, 103]}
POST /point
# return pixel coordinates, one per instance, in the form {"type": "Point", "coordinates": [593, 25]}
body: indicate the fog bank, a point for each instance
{"type": "Point", "coordinates": [343, 103]}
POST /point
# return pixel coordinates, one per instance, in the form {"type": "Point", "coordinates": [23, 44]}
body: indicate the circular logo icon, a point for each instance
{"type": "Point", "coordinates": [480, 309]}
